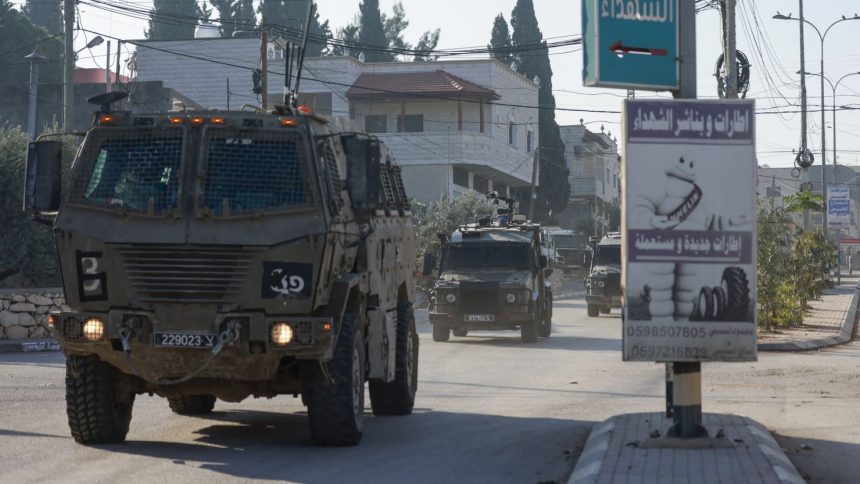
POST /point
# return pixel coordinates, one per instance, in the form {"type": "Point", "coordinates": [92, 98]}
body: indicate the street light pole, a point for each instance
{"type": "Point", "coordinates": [821, 37]}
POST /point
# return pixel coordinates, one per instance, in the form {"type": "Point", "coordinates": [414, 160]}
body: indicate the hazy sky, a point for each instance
{"type": "Point", "coordinates": [773, 48]}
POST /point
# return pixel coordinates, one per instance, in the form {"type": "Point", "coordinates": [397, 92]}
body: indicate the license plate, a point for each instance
{"type": "Point", "coordinates": [183, 340]}
{"type": "Point", "coordinates": [479, 318]}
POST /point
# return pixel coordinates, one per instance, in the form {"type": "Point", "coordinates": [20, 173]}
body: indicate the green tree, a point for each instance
{"type": "Point", "coordinates": [777, 304]}
{"type": "Point", "coordinates": [371, 33]}
{"type": "Point", "coordinates": [500, 41]}
{"type": "Point", "coordinates": [46, 14]}
{"type": "Point", "coordinates": [534, 64]}
{"type": "Point", "coordinates": [288, 18]}
{"type": "Point", "coordinates": [25, 246]}
{"type": "Point", "coordinates": [804, 201]}
{"type": "Point", "coordinates": [394, 26]}
{"type": "Point", "coordinates": [18, 38]}
{"type": "Point", "coordinates": [235, 15]}
{"type": "Point", "coordinates": [426, 45]}
{"type": "Point", "coordinates": [443, 217]}
{"type": "Point", "coordinates": [173, 19]}
{"type": "Point", "coordinates": [347, 38]}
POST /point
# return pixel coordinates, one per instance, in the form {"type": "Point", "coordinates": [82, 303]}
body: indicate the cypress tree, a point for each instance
{"type": "Point", "coordinates": [235, 15]}
{"type": "Point", "coordinates": [173, 19]}
{"type": "Point", "coordinates": [287, 17]}
{"type": "Point", "coordinates": [45, 13]}
{"type": "Point", "coordinates": [554, 187]}
{"type": "Point", "coordinates": [371, 33]}
{"type": "Point", "coordinates": [500, 41]}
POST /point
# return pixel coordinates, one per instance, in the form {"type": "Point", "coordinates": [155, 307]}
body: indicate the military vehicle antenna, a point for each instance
{"type": "Point", "coordinates": [301, 56]}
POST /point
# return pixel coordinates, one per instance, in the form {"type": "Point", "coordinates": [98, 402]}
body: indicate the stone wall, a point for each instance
{"type": "Point", "coordinates": [24, 313]}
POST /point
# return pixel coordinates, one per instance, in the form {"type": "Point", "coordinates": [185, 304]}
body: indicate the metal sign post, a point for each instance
{"type": "Point", "coordinates": [631, 45]}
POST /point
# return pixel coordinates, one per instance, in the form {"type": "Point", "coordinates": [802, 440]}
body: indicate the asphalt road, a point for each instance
{"type": "Point", "coordinates": [489, 409]}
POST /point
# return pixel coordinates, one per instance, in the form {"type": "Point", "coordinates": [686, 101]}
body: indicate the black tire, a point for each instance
{"type": "Point", "coordinates": [705, 305]}
{"type": "Point", "coordinates": [441, 333]}
{"type": "Point", "coordinates": [529, 332]}
{"type": "Point", "coordinates": [192, 404]}
{"type": "Point", "coordinates": [99, 413]}
{"type": "Point", "coordinates": [398, 397]}
{"type": "Point", "coordinates": [719, 302]}
{"type": "Point", "coordinates": [737, 289]}
{"type": "Point", "coordinates": [593, 311]}
{"type": "Point", "coordinates": [460, 332]}
{"type": "Point", "coordinates": [545, 327]}
{"type": "Point", "coordinates": [336, 408]}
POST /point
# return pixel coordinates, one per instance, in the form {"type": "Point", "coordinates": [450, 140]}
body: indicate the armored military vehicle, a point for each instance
{"type": "Point", "coordinates": [570, 246]}
{"type": "Point", "coordinates": [603, 283]}
{"type": "Point", "coordinates": [491, 276]}
{"type": "Point", "coordinates": [226, 255]}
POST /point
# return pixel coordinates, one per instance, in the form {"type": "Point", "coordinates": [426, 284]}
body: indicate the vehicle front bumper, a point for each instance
{"type": "Point", "coordinates": [252, 355]}
{"type": "Point", "coordinates": [501, 320]}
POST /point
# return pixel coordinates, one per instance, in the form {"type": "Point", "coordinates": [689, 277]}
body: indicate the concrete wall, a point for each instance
{"type": "Point", "coordinates": [24, 312]}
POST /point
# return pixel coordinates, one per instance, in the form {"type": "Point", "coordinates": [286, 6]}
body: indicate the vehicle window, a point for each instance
{"type": "Point", "coordinates": [246, 172]}
{"type": "Point", "coordinates": [569, 241]}
{"type": "Point", "coordinates": [137, 173]}
{"type": "Point", "coordinates": [475, 256]}
{"type": "Point", "coordinates": [608, 255]}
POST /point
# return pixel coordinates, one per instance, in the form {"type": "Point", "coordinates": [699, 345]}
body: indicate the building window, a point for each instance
{"type": "Point", "coordinates": [481, 184]}
{"type": "Point", "coordinates": [512, 133]}
{"type": "Point", "coordinates": [577, 151]}
{"type": "Point", "coordinates": [375, 123]}
{"type": "Point", "coordinates": [529, 141]}
{"type": "Point", "coordinates": [461, 177]}
{"type": "Point", "coordinates": [410, 123]}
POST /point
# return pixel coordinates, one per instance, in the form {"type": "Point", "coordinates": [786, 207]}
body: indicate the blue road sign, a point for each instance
{"type": "Point", "coordinates": [630, 44]}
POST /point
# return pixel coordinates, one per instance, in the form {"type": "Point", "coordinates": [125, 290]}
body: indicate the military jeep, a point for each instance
{"type": "Point", "coordinates": [227, 254]}
{"type": "Point", "coordinates": [603, 283]}
{"type": "Point", "coordinates": [491, 276]}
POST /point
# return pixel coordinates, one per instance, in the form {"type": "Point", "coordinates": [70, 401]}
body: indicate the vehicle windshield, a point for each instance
{"type": "Point", "coordinates": [137, 170]}
{"type": "Point", "coordinates": [248, 172]}
{"type": "Point", "coordinates": [608, 255]}
{"type": "Point", "coordinates": [486, 256]}
{"type": "Point", "coordinates": [569, 241]}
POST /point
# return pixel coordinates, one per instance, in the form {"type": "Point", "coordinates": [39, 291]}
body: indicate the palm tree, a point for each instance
{"type": "Point", "coordinates": [804, 202]}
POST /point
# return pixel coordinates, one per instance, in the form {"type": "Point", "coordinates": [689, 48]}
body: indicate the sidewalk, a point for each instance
{"type": "Point", "coordinates": [619, 451]}
{"type": "Point", "coordinates": [831, 321]}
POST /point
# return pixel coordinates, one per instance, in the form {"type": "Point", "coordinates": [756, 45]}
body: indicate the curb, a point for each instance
{"type": "Point", "coordinates": [28, 345]}
{"type": "Point", "coordinates": [845, 334]}
{"type": "Point", "coordinates": [782, 466]}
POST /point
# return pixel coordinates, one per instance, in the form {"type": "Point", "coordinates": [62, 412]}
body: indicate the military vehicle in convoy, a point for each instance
{"type": "Point", "coordinates": [491, 276]}
{"type": "Point", "coordinates": [570, 247]}
{"type": "Point", "coordinates": [221, 255]}
{"type": "Point", "coordinates": [603, 283]}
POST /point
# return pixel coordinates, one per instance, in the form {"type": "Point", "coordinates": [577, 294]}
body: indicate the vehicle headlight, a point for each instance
{"type": "Point", "coordinates": [282, 334]}
{"type": "Point", "coordinates": [450, 298]}
{"type": "Point", "coordinates": [600, 283]}
{"type": "Point", "coordinates": [511, 298]}
{"type": "Point", "coordinates": [94, 329]}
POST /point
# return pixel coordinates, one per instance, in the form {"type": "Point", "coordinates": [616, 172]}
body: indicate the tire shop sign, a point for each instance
{"type": "Point", "coordinates": [689, 230]}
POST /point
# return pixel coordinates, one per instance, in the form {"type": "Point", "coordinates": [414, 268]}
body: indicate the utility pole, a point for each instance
{"type": "Point", "coordinates": [107, 68]}
{"type": "Point", "coordinates": [730, 55]}
{"type": "Point", "coordinates": [264, 63]}
{"type": "Point", "coordinates": [118, 50]}
{"type": "Point", "coordinates": [687, 376]}
{"type": "Point", "coordinates": [34, 58]}
{"type": "Point", "coordinates": [535, 170]}
{"type": "Point", "coordinates": [824, 149]}
{"type": "Point", "coordinates": [68, 63]}
{"type": "Point", "coordinates": [228, 94]}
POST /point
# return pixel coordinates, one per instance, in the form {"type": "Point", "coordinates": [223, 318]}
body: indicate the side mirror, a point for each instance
{"type": "Point", "coordinates": [363, 156]}
{"type": "Point", "coordinates": [544, 262]}
{"type": "Point", "coordinates": [429, 264]}
{"type": "Point", "coordinates": [42, 176]}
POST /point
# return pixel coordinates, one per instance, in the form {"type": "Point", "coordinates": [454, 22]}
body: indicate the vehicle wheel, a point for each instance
{"type": "Point", "coordinates": [605, 310]}
{"type": "Point", "coordinates": [529, 332]}
{"type": "Point", "coordinates": [398, 397]}
{"type": "Point", "coordinates": [336, 407]}
{"type": "Point", "coordinates": [545, 328]}
{"type": "Point", "coordinates": [593, 311]}
{"type": "Point", "coordinates": [441, 333]}
{"type": "Point", "coordinates": [737, 289]}
{"type": "Point", "coordinates": [99, 412]}
{"type": "Point", "coordinates": [705, 306]}
{"type": "Point", "coordinates": [192, 404]}
{"type": "Point", "coordinates": [460, 332]}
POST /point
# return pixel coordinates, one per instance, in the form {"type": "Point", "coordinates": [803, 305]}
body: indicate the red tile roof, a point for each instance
{"type": "Point", "coordinates": [431, 84]}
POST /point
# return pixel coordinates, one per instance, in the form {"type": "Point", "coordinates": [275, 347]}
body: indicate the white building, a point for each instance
{"type": "Point", "coordinates": [595, 174]}
{"type": "Point", "coordinates": [454, 126]}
